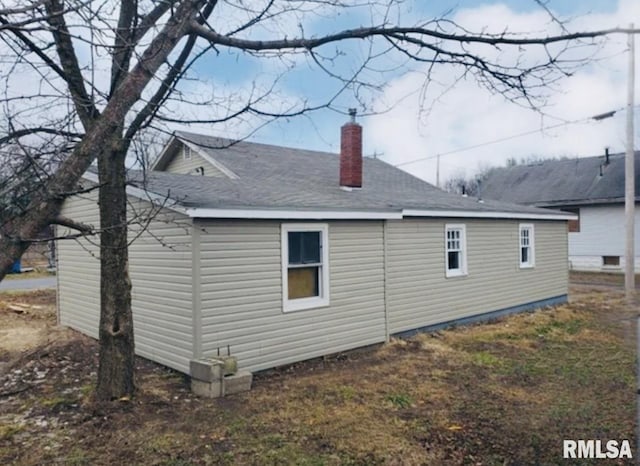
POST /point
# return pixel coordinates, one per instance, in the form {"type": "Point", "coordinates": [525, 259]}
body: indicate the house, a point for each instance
{"type": "Point", "coordinates": [284, 254]}
{"type": "Point", "coordinates": [591, 188]}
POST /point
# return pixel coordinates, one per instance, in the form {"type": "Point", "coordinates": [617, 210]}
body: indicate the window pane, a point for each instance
{"type": "Point", "coordinates": [454, 260]}
{"type": "Point", "coordinates": [304, 282]}
{"type": "Point", "coordinates": [304, 247]}
{"type": "Point", "coordinates": [611, 260]}
{"type": "Point", "coordinates": [295, 247]}
{"type": "Point", "coordinates": [524, 255]}
{"type": "Point", "coordinates": [311, 247]}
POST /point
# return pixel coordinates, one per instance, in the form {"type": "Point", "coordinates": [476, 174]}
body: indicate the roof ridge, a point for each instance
{"type": "Point", "coordinates": [235, 142]}
{"type": "Point", "coordinates": [569, 159]}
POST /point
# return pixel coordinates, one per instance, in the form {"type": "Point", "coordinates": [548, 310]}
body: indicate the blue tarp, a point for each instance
{"type": "Point", "coordinates": [17, 266]}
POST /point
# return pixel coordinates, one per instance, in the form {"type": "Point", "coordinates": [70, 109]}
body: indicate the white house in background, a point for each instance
{"type": "Point", "coordinates": [590, 187]}
{"type": "Point", "coordinates": [287, 254]}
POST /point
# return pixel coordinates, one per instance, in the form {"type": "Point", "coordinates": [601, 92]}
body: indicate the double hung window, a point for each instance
{"type": "Point", "coordinates": [305, 266]}
{"type": "Point", "coordinates": [455, 250]}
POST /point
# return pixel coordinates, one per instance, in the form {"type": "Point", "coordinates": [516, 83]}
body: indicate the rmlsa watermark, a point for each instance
{"type": "Point", "coordinates": [598, 449]}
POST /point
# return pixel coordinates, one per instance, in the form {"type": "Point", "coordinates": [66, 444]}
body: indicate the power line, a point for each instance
{"type": "Point", "coordinates": [598, 117]}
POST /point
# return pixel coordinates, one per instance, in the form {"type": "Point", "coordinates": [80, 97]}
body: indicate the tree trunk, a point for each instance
{"type": "Point", "coordinates": [116, 365]}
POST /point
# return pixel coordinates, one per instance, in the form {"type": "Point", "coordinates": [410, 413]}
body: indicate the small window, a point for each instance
{"type": "Point", "coordinates": [573, 225]}
{"type": "Point", "coordinates": [527, 250]}
{"type": "Point", "coordinates": [611, 261]}
{"type": "Point", "coordinates": [305, 266]}
{"type": "Point", "coordinates": [186, 152]}
{"type": "Point", "coordinates": [455, 251]}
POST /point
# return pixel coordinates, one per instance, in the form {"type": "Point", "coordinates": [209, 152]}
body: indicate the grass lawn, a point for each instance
{"type": "Point", "coordinates": [503, 393]}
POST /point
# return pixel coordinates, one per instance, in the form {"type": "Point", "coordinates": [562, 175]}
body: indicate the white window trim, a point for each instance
{"type": "Point", "coordinates": [187, 152]}
{"type": "Point", "coordinates": [462, 271]}
{"type": "Point", "coordinates": [290, 305]}
{"type": "Point", "coordinates": [532, 246]}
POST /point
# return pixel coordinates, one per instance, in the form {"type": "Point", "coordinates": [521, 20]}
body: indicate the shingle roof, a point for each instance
{"type": "Point", "coordinates": [561, 182]}
{"type": "Point", "coordinates": [273, 177]}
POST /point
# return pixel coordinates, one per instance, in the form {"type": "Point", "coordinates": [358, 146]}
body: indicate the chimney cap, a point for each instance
{"type": "Point", "coordinates": [352, 113]}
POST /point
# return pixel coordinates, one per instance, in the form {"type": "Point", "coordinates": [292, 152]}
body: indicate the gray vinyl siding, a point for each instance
{"type": "Point", "coordinates": [179, 165]}
{"type": "Point", "coordinates": [419, 294]}
{"type": "Point", "coordinates": [78, 271]}
{"type": "Point", "coordinates": [241, 294]}
{"type": "Point", "coordinates": [160, 270]}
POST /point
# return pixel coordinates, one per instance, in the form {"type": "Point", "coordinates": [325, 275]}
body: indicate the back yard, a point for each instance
{"type": "Point", "coordinates": [502, 393]}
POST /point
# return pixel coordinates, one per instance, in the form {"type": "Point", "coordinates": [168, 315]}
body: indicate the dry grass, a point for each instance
{"type": "Point", "coordinates": [38, 273]}
{"type": "Point", "coordinates": [614, 278]}
{"type": "Point", "coordinates": [502, 393]}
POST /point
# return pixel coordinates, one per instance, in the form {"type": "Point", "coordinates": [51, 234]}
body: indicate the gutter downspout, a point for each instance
{"type": "Point", "coordinates": [384, 265]}
{"type": "Point", "coordinates": [57, 257]}
{"type": "Point", "coordinates": [196, 303]}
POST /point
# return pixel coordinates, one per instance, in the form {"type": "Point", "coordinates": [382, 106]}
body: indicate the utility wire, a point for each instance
{"type": "Point", "coordinates": [598, 117]}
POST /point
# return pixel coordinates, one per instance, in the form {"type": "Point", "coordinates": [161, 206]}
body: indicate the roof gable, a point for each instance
{"type": "Point", "coordinates": [183, 157]}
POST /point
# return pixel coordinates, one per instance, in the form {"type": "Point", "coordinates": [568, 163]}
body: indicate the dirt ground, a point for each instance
{"type": "Point", "coordinates": [502, 393]}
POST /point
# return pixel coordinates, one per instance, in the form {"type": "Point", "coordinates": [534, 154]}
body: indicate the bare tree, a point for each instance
{"type": "Point", "coordinates": [459, 183]}
{"type": "Point", "coordinates": [471, 185]}
{"type": "Point", "coordinates": [100, 72]}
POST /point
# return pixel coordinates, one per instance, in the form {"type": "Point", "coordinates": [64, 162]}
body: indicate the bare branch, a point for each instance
{"type": "Point", "coordinates": [150, 20]}
{"type": "Point", "coordinates": [123, 46]}
{"type": "Point", "coordinates": [69, 223]}
{"type": "Point", "coordinates": [381, 31]}
{"type": "Point", "coordinates": [15, 11]}
{"type": "Point", "coordinates": [16, 134]}
{"type": "Point", "coordinates": [85, 107]}
{"type": "Point", "coordinates": [169, 82]}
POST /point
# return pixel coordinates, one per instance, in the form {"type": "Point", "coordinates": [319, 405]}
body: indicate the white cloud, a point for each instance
{"type": "Point", "coordinates": [469, 115]}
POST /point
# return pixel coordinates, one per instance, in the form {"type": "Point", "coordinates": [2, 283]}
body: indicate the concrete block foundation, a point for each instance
{"type": "Point", "coordinates": [216, 377]}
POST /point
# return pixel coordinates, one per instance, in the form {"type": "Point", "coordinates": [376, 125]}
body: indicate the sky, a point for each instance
{"type": "Point", "coordinates": [457, 119]}
{"type": "Point", "coordinates": [454, 120]}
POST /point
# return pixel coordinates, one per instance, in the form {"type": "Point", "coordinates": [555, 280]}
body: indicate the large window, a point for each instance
{"type": "Point", "coordinates": [527, 243]}
{"type": "Point", "coordinates": [455, 250]}
{"type": "Point", "coordinates": [305, 266]}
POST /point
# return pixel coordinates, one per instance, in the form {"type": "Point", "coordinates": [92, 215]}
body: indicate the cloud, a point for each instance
{"type": "Point", "coordinates": [469, 115]}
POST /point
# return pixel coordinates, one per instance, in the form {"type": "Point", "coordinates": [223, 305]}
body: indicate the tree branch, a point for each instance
{"type": "Point", "coordinates": [168, 83]}
{"type": "Point", "coordinates": [14, 11]}
{"type": "Point", "coordinates": [69, 223]}
{"type": "Point", "coordinates": [364, 33]}
{"type": "Point", "coordinates": [16, 134]}
{"type": "Point", "coordinates": [148, 21]}
{"type": "Point", "coordinates": [123, 45]}
{"type": "Point", "coordinates": [84, 105]}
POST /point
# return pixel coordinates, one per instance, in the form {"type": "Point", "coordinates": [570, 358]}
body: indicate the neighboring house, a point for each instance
{"type": "Point", "coordinates": [590, 187]}
{"type": "Point", "coordinates": [286, 254]}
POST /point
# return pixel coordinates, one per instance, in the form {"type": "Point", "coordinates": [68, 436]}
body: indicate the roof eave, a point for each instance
{"type": "Point", "coordinates": [488, 214]}
{"type": "Point", "coordinates": [324, 214]}
{"type": "Point", "coordinates": [295, 214]}
{"type": "Point", "coordinates": [579, 202]}
{"type": "Point", "coordinates": [292, 214]}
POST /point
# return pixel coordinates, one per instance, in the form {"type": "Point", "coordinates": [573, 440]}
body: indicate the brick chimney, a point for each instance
{"type": "Point", "coordinates": [351, 153]}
